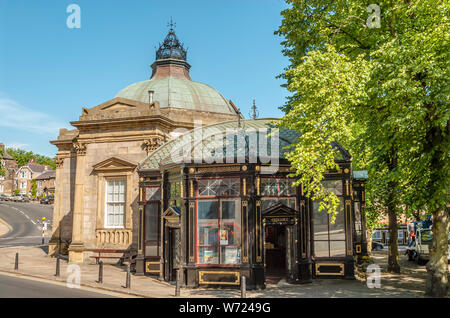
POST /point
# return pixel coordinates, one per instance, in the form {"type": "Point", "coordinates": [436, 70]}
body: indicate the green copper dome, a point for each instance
{"type": "Point", "coordinates": [172, 85]}
{"type": "Point", "coordinates": [178, 92]}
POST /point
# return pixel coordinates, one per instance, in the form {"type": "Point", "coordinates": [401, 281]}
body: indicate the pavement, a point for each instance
{"type": "Point", "coordinates": [35, 263]}
{"type": "Point", "coordinates": [24, 237]}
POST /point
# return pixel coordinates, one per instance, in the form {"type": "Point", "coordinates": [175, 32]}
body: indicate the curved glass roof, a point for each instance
{"type": "Point", "coordinates": [254, 140]}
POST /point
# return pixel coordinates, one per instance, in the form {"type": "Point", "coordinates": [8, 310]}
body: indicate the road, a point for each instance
{"type": "Point", "coordinates": [25, 220]}
{"type": "Point", "coordinates": [14, 287]}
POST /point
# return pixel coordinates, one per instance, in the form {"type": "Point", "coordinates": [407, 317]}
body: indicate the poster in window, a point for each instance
{"type": "Point", "coordinates": [223, 237]}
{"type": "Point", "coordinates": [208, 256]}
{"type": "Point", "coordinates": [232, 255]}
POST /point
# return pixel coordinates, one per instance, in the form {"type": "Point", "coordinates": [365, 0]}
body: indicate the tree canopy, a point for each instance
{"type": "Point", "coordinates": [22, 157]}
{"type": "Point", "coordinates": [375, 79]}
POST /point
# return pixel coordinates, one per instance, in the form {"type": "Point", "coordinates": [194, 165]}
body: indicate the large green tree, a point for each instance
{"type": "Point", "coordinates": [22, 157]}
{"type": "Point", "coordinates": [374, 78]}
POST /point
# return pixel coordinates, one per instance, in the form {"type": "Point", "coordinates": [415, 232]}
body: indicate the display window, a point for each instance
{"type": "Point", "coordinates": [219, 222]}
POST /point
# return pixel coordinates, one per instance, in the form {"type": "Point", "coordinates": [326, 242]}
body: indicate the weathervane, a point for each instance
{"type": "Point", "coordinates": [171, 24]}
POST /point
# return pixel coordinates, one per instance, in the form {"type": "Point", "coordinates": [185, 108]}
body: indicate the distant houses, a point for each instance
{"type": "Point", "coordinates": [21, 178]}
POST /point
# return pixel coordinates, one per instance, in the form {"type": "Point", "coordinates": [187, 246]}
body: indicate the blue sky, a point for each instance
{"type": "Point", "coordinates": [48, 72]}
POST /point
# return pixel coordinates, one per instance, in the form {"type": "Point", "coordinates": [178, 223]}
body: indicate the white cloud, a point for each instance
{"type": "Point", "coordinates": [17, 145]}
{"type": "Point", "coordinates": [16, 116]}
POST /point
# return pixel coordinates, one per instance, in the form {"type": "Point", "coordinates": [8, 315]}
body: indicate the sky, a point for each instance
{"type": "Point", "coordinates": [49, 71]}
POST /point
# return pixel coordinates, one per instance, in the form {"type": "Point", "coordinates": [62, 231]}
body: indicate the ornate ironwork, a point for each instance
{"type": "Point", "coordinates": [171, 47]}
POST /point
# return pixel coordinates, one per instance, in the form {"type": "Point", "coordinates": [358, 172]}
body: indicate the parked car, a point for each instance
{"type": "Point", "coordinates": [16, 198]}
{"type": "Point", "coordinates": [3, 197]}
{"type": "Point", "coordinates": [25, 198]}
{"type": "Point", "coordinates": [47, 200]}
{"type": "Point", "coordinates": [377, 246]}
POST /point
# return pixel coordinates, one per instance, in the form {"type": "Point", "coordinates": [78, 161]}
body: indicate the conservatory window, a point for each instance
{"type": "Point", "coordinates": [219, 231]}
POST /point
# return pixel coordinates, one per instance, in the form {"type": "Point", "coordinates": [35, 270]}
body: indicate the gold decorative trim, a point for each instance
{"type": "Point", "coordinates": [301, 188]}
{"type": "Point", "coordinates": [330, 264]}
{"type": "Point", "coordinates": [191, 170]}
{"type": "Point", "coordinates": [346, 187]}
{"type": "Point", "coordinates": [346, 170]}
{"type": "Point", "coordinates": [258, 183]}
{"type": "Point", "coordinates": [202, 281]}
{"type": "Point", "coordinates": [182, 189]}
{"type": "Point", "coordinates": [191, 188]}
{"type": "Point", "coordinates": [244, 168]}
{"type": "Point", "coordinates": [333, 172]}
{"type": "Point", "coordinates": [257, 168]}
{"type": "Point", "coordinates": [219, 169]}
{"type": "Point", "coordinates": [358, 249]}
{"type": "Point", "coordinates": [244, 186]}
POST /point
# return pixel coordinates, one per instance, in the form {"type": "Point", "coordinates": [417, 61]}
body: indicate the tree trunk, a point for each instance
{"type": "Point", "coordinates": [369, 241]}
{"type": "Point", "coordinates": [437, 268]}
{"type": "Point", "coordinates": [393, 265]}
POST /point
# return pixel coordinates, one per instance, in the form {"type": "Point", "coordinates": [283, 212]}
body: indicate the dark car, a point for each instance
{"type": "Point", "coordinates": [377, 246]}
{"type": "Point", "coordinates": [47, 200]}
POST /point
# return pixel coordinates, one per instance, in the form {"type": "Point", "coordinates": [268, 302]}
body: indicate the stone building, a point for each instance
{"type": "Point", "coordinates": [25, 175]}
{"type": "Point", "coordinates": [46, 183]}
{"type": "Point", "coordinates": [9, 165]}
{"type": "Point", "coordinates": [97, 186]}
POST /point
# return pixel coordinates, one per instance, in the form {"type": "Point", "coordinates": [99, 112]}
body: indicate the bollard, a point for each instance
{"type": "Point", "coordinates": [177, 286]}
{"type": "Point", "coordinates": [57, 274]}
{"type": "Point", "coordinates": [16, 263]}
{"type": "Point", "coordinates": [100, 272]}
{"type": "Point", "coordinates": [128, 282]}
{"type": "Point", "coordinates": [243, 287]}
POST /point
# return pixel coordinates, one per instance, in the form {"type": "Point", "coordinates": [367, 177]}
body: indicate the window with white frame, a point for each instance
{"type": "Point", "coordinates": [23, 185]}
{"type": "Point", "coordinates": [115, 203]}
{"type": "Point", "coordinates": [1, 188]}
{"type": "Point", "coordinates": [23, 174]}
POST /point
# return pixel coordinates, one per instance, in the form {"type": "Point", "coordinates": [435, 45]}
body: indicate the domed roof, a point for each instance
{"type": "Point", "coordinates": [179, 92]}
{"type": "Point", "coordinates": [172, 85]}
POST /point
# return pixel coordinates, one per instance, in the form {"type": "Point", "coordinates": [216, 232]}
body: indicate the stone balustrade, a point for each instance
{"type": "Point", "coordinates": [119, 237]}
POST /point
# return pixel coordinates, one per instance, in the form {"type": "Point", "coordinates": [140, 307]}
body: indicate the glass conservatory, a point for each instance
{"type": "Point", "coordinates": [218, 203]}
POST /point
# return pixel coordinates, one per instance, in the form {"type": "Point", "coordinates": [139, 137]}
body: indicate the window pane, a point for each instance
{"type": "Point", "coordinates": [269, 187]}
{"type": "Point", "coordinates": [228, 209]}
{"type": "Point", "coordinates": [320, 220]}
{"type": "Point", "coordinates": [230, 187]}
{"type": "Point", "coordinates": [333, 186]}
{"type": "Point", "coordinates": [208, 210]}
{"type": "Point", "coordinates": [208, 187]}
{"type": "Point", "coordinates": [208, 255]}
{"type": "Point", "coordinates": [267, 203]}
{"type": "Point", "coordinates": [337, 248]}
{"type": "Point", "coordinates": [151, 222]}
{"type": "Point", "coordinates": [152, 193]}
{"type": "Point", "coordinates": [208, 233]}
{"type": "Point", "coordinates": [321, 249]}
{"type": "Point", "coordinates": [286, 187]}
{"type": "Point", "coordinates": [337, 230]}
{"type": "Point", "coordinates": [230, 255]}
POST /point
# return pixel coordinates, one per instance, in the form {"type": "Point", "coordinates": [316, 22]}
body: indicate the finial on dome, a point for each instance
{"type": "Point", "coordinates": [171, 48]}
